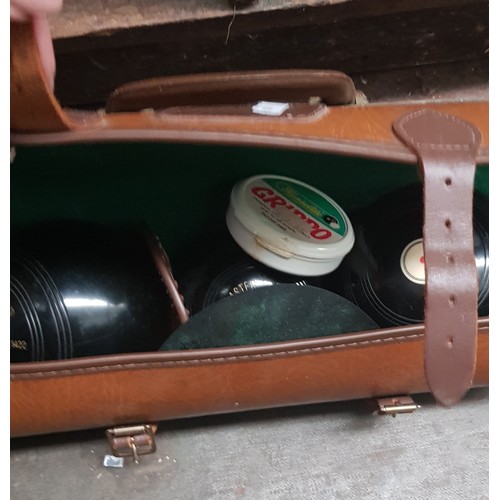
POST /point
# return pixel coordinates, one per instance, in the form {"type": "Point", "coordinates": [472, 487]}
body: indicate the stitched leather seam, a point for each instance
{"type": "Point", "coordinates": [384, 151]}
{"type": "Point", "coordinates": [218, 360]}
{"type": "Point", "coordinates": [446, 147]}
{"type": "Point", "coordinates": [364, 146]}
{"type": "Point", "coordinates": [438, 146]}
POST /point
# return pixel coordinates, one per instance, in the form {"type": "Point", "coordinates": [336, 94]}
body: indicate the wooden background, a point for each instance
{"type": "Point", "coordinates": [393, 50]}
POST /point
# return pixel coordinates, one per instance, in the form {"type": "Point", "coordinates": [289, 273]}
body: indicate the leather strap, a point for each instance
{"type": "Point", "coordinates": [33, 105]}
{"type": "Point", "coordinates": [446, 148]}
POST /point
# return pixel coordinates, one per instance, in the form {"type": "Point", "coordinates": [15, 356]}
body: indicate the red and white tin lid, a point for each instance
{"type": "Point", "coordinates": [289, 225]}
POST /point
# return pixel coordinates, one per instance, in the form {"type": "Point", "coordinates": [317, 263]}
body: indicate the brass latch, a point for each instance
{"type": "Point", "coordinates": [393, 406]}
{"type": "Point", "coordinates": [132, 440]}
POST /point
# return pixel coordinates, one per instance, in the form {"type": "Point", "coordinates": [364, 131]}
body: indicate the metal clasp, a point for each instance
{"type": "Point", "coordinates": [393, 406]}
{"type": "Point", "coordinates": [132, 440]}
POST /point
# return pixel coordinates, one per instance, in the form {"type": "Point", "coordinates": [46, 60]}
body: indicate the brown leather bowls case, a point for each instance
{"type": "Point", "coordinates": [447, 354]}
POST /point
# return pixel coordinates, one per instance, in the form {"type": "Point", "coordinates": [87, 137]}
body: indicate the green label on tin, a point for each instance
{"type": "Point", "coordinates": [311, 203]}
{"type": "Point", "coordinates": [297, 209]}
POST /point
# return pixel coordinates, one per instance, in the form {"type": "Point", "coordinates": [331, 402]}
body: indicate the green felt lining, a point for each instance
{"type": "Point", "coordinates": [181, 191]}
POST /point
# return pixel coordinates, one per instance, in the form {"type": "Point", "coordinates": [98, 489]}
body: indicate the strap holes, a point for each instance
{"type": "Point", "coordinates": [447, 223]}
{"type": "Point", "coordinates": [450, 259]}
{"type": "Point", "coordinates": [447, 181]}
{"type": "Point", "coordinates": [452, 300]}
{"type": "Point", "coordinates": [450, 342]}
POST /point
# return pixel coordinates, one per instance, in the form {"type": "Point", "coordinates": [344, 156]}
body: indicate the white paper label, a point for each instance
{"type": "Point", "coordinates": [268, 108]}
{"type": "Point", "coordinates": [112, 461]}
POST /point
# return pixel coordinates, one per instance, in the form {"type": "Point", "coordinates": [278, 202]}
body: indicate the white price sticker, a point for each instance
{"type": "Point", "coordinates": [269, 108]}
{"type": "Point", "coordinates": [112, 461]}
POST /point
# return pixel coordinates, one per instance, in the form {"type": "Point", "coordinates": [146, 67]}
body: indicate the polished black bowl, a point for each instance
{"type": "Point", "coordinates": [80, 288]}
{"type": "Point", "coordinates": [226, 271]}
{"type": "Point", "coordinates": [375, 275]}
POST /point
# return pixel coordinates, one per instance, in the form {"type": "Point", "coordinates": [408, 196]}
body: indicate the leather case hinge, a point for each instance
{"type": "Point", "coordinates": [395, 405]}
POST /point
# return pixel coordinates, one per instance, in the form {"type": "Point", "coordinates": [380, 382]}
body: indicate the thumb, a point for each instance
{"type": "Point", "coordinates": [43, 38]}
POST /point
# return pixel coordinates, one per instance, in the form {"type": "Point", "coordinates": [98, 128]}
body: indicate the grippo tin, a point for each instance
{"type": "Point", "coordinates": [289, 225]}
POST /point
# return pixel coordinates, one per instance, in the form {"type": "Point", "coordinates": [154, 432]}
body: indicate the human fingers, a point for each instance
{"type": "Point", "coordinates": [35, 7]}
{"type": "Point", "coordinates": [18, 14]}
{"type": "Point", "coordinates": [43, 38]}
